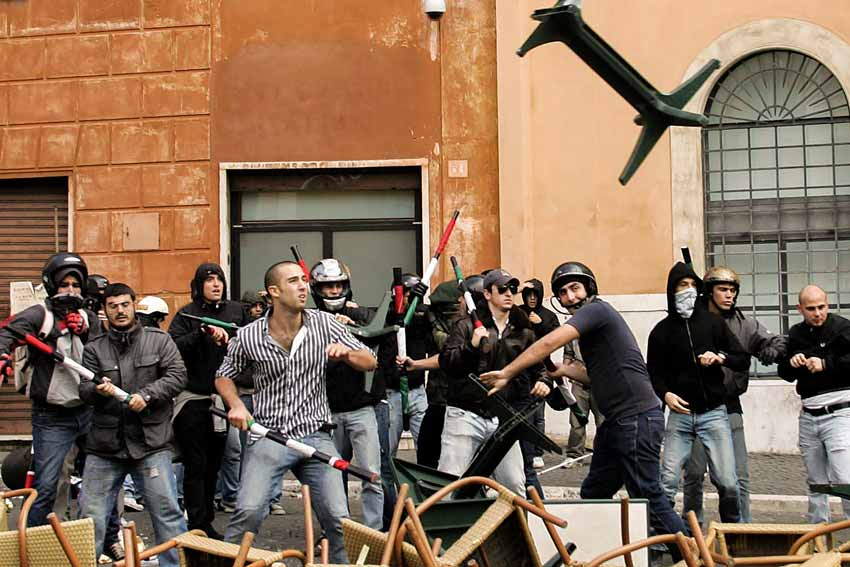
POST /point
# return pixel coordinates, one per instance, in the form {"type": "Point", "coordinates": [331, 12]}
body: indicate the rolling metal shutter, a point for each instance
{"type": "Point", "coordinates": [33, 225]}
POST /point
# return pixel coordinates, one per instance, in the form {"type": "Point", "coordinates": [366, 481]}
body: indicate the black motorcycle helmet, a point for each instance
{"type": "Point", "coordinates": [475, 285]}
{"type": "Point", "coordinates": [574, 271]}
{"type": "Point", "coordinates": [60, 265]}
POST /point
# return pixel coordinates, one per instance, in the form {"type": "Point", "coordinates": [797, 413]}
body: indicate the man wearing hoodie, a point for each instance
{"type": "Point", "coordinates": [721, 287]}
{"type": "Point", "coordinates": [505, 333]}
{"type": "Point", "coordinates": [687, 353]}
{"type": "Point", "coordinates": [203, 348]}
{"type": "Point", "coordinates": [542, 322]}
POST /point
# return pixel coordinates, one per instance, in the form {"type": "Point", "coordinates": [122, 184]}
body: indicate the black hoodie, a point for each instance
{"type": "Point", "coordinates": [675, 343]}
{"type": "Point", "coordinates": [831, 342]}
{"type": "Point", "coordinates": [201, 355]}
{"type": "Point", "coordinates": [549, 321]}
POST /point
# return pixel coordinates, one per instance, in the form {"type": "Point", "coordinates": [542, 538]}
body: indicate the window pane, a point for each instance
{"type": "Point", "coordinates": [328, 204]}
{"type": "Point", "coordinates": [371, 256]}
{"type": "Point", "coordinates": [733, 139]}
{"type": "Point", "coordinates": [818, 134]}
{"type": "Point", "coordinates": [790, 157]}
{"type": "Point", "coordinates": [762, 137]}
{"type": "Point", "coordinates": [790, 135]}
{"type": "Point", "coordinates": [259, 250]}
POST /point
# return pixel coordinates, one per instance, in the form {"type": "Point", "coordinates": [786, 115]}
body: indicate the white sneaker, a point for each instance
{"type": "Point", "coordinates": [537, 463]}
{"type": "Point", "coordinates": [130, 502]}
{"type": "Point", "coordinates": [277, 510]}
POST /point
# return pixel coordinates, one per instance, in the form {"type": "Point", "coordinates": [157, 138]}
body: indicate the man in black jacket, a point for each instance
{"type": "Point", "coordinates": [505, 333]}
{"type": "Point", "coordinates": [686, 355]}
{"type": "Point", "coordinates": [59, 416]}
{"type": "Point", "coordinates": [352, 405]}
{"type": "Point", "coordinates": [419, 346]}
{"type": "Point", "coordinates": [542, 322]}
{"type": "Point", "coordinates": [819, 361]}
{"type": "Point", "coordinates": [203, 348]}
{"type": "Point", "coordinates": [134, 438]}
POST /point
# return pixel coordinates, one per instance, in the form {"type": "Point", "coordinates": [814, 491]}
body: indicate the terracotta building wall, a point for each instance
{"type": "Point", "coordinates": [115, 94]}
{"type": "Point", "coordinates": [366, 81]}
{"type": "Point", "coordinates": [565, 135]}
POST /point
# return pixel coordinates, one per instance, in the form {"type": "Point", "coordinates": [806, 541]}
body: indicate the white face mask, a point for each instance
{"type": "Point", "coordinates": [685, 301]}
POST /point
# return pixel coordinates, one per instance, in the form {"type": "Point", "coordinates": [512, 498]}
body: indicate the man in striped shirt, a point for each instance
{"type": "Point", "coordinates": [290, 347]}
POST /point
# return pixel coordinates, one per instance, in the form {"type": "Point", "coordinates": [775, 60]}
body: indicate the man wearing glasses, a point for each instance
{"type": "Point", "coordinates": [505, 333]}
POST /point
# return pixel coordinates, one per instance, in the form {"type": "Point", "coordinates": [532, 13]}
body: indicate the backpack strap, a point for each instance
{"type": "Point", "coordinates": [46, 323]}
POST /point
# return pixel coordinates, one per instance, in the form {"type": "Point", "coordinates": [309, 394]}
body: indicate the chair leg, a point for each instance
{"type": "Point", "coordinates": [63, 540]}
{"type": "Point", "coordinates": [130, 551]}
{"type": "Point", "coordinates": [309, 550]}
{"type": "Point", "coordinates": [624, 529]}
{"type": "Point", "coordinates": [394, 524]}
{"type": "Point", "coordinates": [244, 548]}
{"type": "Point", "coordinates": [325, 547]}
{"type": "Point", "coordinates": [553, 533]}
{"type": "Point", "coordinates": [696, 530]}
{"type": "Point", "coordinates": [417, 534]}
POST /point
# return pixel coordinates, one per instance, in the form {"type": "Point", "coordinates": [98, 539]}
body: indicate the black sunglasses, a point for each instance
{"type": "Point", "coordinates": [503, 288]}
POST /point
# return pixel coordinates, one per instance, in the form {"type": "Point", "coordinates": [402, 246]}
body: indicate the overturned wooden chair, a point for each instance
{"type": "Point", "coordinates": [499, 537]}
{"type": "Point", "coordinates": [195, 549]}
{"type": "Point", "coordinates": [364, 545]}
{"type": "Point", "coordinates": [46, 546]}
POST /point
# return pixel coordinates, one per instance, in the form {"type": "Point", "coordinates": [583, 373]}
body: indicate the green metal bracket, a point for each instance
{"type": "Point", "coordinates": [840, 490]}
{"type": "Point", "coordinates": [376, 327]}
{"type": "Point", "coordinates": [657, 110]}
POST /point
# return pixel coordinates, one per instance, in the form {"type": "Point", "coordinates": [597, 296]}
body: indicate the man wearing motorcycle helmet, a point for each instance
{"type": "Point", "coordinates": [59, 416]}
{"type": "Point", "coordinates": [151, 311]}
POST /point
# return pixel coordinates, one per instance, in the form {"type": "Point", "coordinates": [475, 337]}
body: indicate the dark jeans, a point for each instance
{"type": "Point", "coordinates": [382, 416]}
{"type": "Point", "coordinates": [202, 450]}
{"type": "Point", "coordinates": [529, 451]}
{"type": "Point", "coordinates": [430, 436]}
{"type": "Point", "coordinates": [54, 432]}
{"type": "Point", "coordinates": [627, 451]}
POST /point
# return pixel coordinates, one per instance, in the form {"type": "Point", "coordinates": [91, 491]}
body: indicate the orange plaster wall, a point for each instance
{"type": "Point", "coordinates": [566, 135]}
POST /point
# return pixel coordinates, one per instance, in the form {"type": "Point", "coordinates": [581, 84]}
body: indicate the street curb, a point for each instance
{"type": "Point", "coordinates": [759, 503]}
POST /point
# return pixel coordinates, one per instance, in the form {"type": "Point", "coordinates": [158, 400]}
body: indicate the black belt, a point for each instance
{"type": "Point", "coordinates": [827, 409]}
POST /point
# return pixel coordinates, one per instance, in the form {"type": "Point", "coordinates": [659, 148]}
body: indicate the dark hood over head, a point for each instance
{"type": "Point", "coordinates": [677, 272]}
{"type": "Point", "coordinates": [201, 274]}
{"type": "Point", "coordinates": [536, 288]}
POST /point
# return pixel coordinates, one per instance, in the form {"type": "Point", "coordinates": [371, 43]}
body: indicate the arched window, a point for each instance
{"type": "Point", "coordinates": [776, 157]}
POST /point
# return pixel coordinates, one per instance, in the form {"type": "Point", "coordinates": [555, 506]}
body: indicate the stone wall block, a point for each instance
{"type": "Point", "coordinates": [21, 59]}
{"type": "Point", "coordinates": [176, 94]}
{"type": "Point", "coordinates": [170, 13]}
{"type": "Point", "coordinates": [93, 147]}
{"type": "Point", "coordinates": [175, 184]}
{"type": "Point", "coordinates": [75, 56]}
{"type": "Point", "coordinates": [42, 17]}
{"type": "Point", "coordinates": [126, 268]}
{"type": "Point", "coordinates": [141, 142]}
{"type": "Point", "coordinates": [115, 97]}
{"type": "Point", "coordinates": [58, 146]}
{"type": "Point", "coordinates": [192, 46]}
{"type": "Point", "coordinates": [108, 187]}
{"type": "Point", "coordinates": [46, 101]}
{"type": "Point", "coordinates": [192, 139]}
{"type": "Point", "coordinates": [170, 271]}
{"type": "Point", "coordinates": [143, 52]}
{"type": "Point", "coordinates": [98, 15]}
{"type": "Point", "coordinates": [20, 148]}
{"type": "Point", "coordinates": [191, 227]}
{"type": "Point", "coordinates": [92, 231]}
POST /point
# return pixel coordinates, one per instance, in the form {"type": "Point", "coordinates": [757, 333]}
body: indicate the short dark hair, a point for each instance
{"type": "Point", "coordinates": [118, 288]}
{"type": "Point", "coordinates": [270, 278]}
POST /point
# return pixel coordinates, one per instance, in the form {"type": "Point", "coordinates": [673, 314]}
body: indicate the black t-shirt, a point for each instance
{"type": "Point", "coordinates": [618, 376]}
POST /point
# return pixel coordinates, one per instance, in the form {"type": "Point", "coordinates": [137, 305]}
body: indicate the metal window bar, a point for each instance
{"type": "Point", "coordinates": [806, 197]}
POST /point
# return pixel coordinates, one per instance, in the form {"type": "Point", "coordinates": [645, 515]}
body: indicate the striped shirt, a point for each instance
{"type": "Point", "coordinates": [289, 387]}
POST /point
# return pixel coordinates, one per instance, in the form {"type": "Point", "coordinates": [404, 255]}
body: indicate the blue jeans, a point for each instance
{"type": "Point", "coordinates": [626, 451]}
{"type": "Point", "coordinates": [382, 417]}
{"type": "Point", "coordinates": [53, 434]}
{"type": "Point", "coordinates": [825, 445]}
{"type": "Point", "coordinates": [154, 477]}
{"type": "Point", "coordinates": [696, 467]}
{"type": "Point", "coordinates": [464, 432]}
{"type": "Point", "coordinates": [265, 464]}
{"type": "Point", "coordinates": [418, 404]}
{"type": "Point", "coordinates": [712, 429]}
{"type": "Point", "coordinates": [356, 435]}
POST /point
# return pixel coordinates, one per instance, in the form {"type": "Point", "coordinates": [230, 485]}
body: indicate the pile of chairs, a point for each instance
{"type": "Point", "coordinates": [499, 537]}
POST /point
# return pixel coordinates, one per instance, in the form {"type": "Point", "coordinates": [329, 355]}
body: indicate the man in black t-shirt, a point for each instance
{"type": "Point", "coordinates": [628, 443]}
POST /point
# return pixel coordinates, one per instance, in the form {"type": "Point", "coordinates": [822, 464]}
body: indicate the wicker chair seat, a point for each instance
{"type": "Point", "coordinates": [44, 549]}
{"type": "Point", "coordinates": [357, 535]}
{"type": "Point", "coordinates": [195, 551]}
